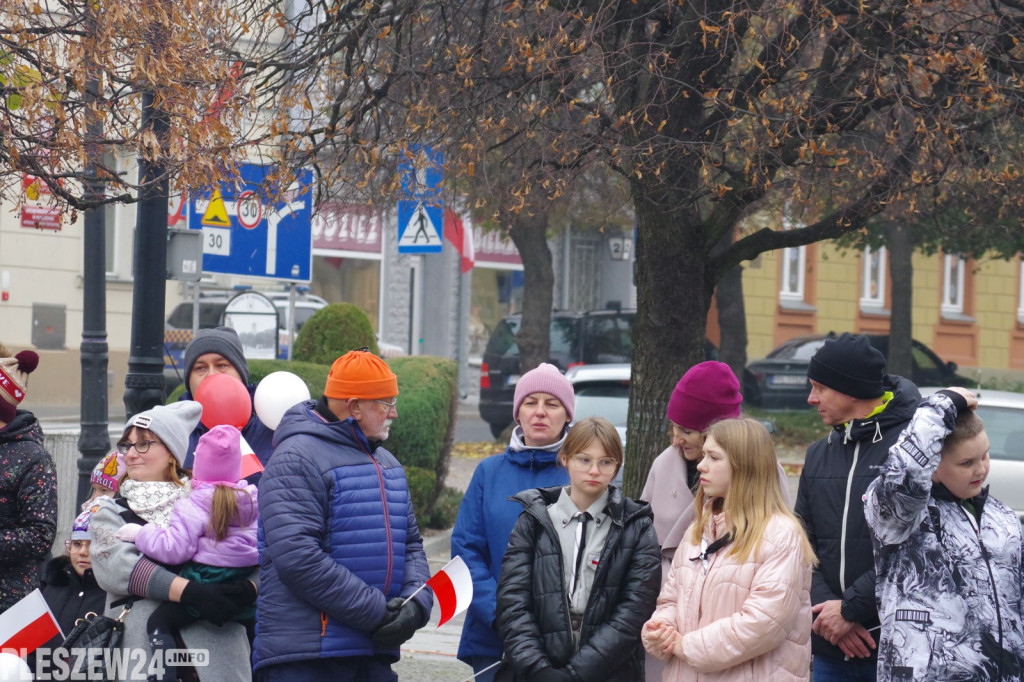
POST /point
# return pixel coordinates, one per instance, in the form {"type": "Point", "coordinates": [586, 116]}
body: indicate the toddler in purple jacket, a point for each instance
{"type": "Point", "coordinates": [212, 531]}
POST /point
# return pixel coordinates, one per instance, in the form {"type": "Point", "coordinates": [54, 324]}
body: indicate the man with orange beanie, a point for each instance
{"type": "Point", "coordinates": [340, 551]}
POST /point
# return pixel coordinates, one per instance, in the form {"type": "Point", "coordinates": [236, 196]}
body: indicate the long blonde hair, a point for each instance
{"type": "Point", "coordinates": [754, 495]}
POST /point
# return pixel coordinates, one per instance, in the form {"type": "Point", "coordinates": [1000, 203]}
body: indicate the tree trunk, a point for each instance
{"type": "Point", "coordinates": [900, 245]}
{"type": "Point", "coordinates": [732, 321]}
{"type": "Point", "coordinates": [669, 331]}
{"type": "Point", "coordinates": [529, 234]}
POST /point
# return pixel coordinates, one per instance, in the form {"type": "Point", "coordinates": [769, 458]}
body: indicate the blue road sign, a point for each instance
{"type": "Point", "coordinates": [420, 227]}
{"type": "Point", "coordinates": [421, 173]}
{"type": "Point", "coordinates": [247, 233]}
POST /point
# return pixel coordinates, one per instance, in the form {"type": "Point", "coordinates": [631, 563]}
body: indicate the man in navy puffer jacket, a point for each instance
{"type": "Point", "coordinates": [340, 550]}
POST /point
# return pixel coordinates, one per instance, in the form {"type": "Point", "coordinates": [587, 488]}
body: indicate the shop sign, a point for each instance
{"type": "Point", "coordinates": [35, 213]}
{"type": "Point", "coordinates": [493, 247]}
{"type": "Point", "coordinates": [340, 226]}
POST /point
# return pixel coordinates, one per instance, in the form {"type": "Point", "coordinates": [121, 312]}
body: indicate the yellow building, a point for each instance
{"type": "Point", "coordinates": [970, 312]}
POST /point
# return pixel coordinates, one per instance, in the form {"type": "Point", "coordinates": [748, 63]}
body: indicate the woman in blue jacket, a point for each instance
{"type": "Point", "coordinates": [542, 407]}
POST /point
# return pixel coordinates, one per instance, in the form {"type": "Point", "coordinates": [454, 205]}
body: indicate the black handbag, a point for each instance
{"type": "Point", "coordinates": [89, 646]}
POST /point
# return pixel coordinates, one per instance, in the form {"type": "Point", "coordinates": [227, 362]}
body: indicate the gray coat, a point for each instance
{"type": "Point", "coordinates": [114, 563]}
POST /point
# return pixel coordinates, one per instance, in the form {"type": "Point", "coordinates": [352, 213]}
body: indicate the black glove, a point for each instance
{"type": "Point", "coordinates": [214, 602]}
{"type": "Point", "coordinates": [552, 675]}
{"type": "Point", "coordinates": [400, 623]}
{"type": "Point", "coordinates": [242, 593]}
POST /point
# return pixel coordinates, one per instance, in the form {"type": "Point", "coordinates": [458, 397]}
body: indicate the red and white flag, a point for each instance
{"type": "Point", "coordinates": [457, 233]}
{"type": "Point", "coordinates": [250, 462]}
{"type": "Point", "coordinates": [453, 587]}
{"type": "Point", "coordinates": [28, 625]}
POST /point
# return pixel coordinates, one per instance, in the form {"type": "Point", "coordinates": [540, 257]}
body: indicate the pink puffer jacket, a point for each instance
{"type": "Point", "coordinates": [740, 621]}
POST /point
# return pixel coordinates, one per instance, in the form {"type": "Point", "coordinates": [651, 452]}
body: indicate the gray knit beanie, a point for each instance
{"type": "Point", "coordinates": [172, 424]}
{"type": "Point", "coordinates": [221, 340]}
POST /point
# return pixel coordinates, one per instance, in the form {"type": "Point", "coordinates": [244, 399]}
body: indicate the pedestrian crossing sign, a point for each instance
{"type": "Point", "coordinates": [419, 227]}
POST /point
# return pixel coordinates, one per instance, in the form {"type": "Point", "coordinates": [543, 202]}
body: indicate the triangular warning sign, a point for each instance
{"type": "Point", "coordinates": [421, 230]}
{"type": "Point", "coordinates": [216, 213]}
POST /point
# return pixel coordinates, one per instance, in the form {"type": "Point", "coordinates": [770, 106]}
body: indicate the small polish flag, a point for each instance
{"type": "Point", "coordinates": [28, 625]}
{"type": "Point", "coordinates": [453, 587]}
{"type": "Point", "coordinates": [250, 462]}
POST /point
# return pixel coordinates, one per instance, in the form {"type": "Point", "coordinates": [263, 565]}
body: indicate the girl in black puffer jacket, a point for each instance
{"type": "Point", "coordinates": [68, 585]}
{"type": "Point", "coordinates": [581, 573]}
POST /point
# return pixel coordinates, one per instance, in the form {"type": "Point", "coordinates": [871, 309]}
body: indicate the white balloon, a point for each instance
{"type": "Point", "coordinates": [13, 669]}
{"type": "Point", "coordinates": [275, 394]}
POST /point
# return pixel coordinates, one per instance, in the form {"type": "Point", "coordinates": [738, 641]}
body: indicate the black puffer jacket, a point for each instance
{"type": "Point", "coordinates": [837, 472]}
{"type": "Point", "coordinates": [533, 609]}
{"type": "Point", "coordinates": [69, 595]}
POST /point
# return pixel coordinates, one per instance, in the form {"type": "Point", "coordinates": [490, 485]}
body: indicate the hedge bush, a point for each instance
{"type": "Point", "coordinates": [333, 331]}
{"type": "Point", "coordinates": [422, 436]}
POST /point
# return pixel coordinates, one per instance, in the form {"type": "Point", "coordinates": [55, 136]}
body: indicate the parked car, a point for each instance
{"type": "Point", "coordinates": [178, 327]}
{"type": "Point", "coordinates": [600, 336]}
{"type": "Point", "coordinates": [595, 337]}
{"type": "Point", "coordinates": [602, 391]}
{"type": "Point", "coordinates": [1003, 415]}
{"type": "Point", "coordinates": [779, 381]}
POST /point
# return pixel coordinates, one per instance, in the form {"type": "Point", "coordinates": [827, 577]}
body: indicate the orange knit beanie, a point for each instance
{"type": "Point", "coordinates": [360, 374]}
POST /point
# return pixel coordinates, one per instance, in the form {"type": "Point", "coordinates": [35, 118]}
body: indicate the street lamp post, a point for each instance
{"type": "Point", "coordinates": [144, 383]}
{"type": "Point", "coordinates": [93, 441]}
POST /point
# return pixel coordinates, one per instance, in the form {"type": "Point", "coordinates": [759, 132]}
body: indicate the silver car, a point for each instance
{"type": "Point", "coordinates": [602, 390]}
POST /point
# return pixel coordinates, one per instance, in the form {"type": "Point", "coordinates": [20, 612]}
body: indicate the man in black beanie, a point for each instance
{"type": "Point", "coordinates": [866, 410]}
{"type": "Point", "coordinates": [219, 351]}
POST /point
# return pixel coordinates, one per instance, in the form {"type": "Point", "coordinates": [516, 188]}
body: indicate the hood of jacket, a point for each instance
{"type": "Point", "coordinates": [620, 509]}
{"type": "Point", "coordinates": [303, 419]}
{"type": "Point", "coordinates": [905, 399]}
{"type": "Point", "coordinates": [23, 427]}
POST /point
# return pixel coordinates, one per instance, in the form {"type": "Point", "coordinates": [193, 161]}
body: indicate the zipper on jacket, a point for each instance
{"type": "Point", "coordinates": [387, 519]}
{"type": "Point", "coordinates": [323, 623]}
{"type": "Point", "coordinates": [616, 531]}
{"type": "Point", "coordinates": [846, 514]}
{"type": "Point", "coordinates": [976, 525]}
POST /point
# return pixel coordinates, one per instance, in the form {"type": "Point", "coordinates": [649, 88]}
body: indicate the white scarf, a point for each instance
{"type": "Point", "coordinates": [154, 500]}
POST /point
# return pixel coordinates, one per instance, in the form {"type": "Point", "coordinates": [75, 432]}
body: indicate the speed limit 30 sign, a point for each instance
{"type": "Point", "coordinates": [250, 210]}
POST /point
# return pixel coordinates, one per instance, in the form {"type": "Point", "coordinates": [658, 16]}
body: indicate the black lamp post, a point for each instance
{"type": "Point", "coordinates": [93, 441]}
{"type": "Point", "coordinates": [144, 383]}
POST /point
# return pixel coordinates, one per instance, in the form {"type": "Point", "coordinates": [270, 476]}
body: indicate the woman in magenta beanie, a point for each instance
{"type": "Point", "coordinates": [542, 407]}
{"type": "Point", "coordinates": [707, 393]}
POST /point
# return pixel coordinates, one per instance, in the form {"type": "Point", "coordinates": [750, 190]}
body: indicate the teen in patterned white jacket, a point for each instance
{"type": "Point", "coordinates": [947, 556]}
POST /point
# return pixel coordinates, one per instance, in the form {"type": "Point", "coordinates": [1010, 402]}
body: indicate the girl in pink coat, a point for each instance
{"type": "Point", "coordinates": [212, 531]}
{"type": "Point", "coordinates": [736, 605]}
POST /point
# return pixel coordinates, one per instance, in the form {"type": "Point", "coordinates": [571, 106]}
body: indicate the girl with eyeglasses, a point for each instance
{"type": "Point", "coordinates": [68, 584]}
{"type": "Point", "coordinates": [736, 604]}
{"type": "Point", "coordinates": [581, 572]}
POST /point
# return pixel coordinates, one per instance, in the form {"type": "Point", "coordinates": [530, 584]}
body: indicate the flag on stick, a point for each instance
{"type": "Point", "coordinates": [453, 587]}
{"type": "Point", "coordinates": [250, 462]}
{"type": "Point", "coordinates": [28, 625]}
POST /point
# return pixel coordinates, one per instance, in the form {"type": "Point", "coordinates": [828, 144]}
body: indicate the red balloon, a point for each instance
{"type": "Point", "coordinates": [225, 400]}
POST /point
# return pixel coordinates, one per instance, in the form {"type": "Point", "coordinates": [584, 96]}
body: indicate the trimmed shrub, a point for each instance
{"type": "Point", "coordinates": [333, 331]}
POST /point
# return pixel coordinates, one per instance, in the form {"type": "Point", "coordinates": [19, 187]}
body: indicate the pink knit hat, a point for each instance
{"type": "Point", "coordinates": [545, 378]}
{"type": "Point", "coordinates": [707, 393]}
{"type": "Point", "coordinates": [218, 456]}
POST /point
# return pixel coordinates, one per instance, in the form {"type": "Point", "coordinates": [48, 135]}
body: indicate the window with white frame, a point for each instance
{"type": "Point", "coordinates": [111, 215]}
{"type": "Point", "coordinates": [953, 285]}
{"type": "Point", "coordinates": [872, 293]}
{"type": "Point", "coordinates": [794, 260]}
{"type": "Point", "coordinates": [1020, 294]}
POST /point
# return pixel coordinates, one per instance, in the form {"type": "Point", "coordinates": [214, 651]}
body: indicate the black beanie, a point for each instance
{"type": "Point", "coordinates": [221, 340]}
{"type": "Point", "coordinates": [850, 365]}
